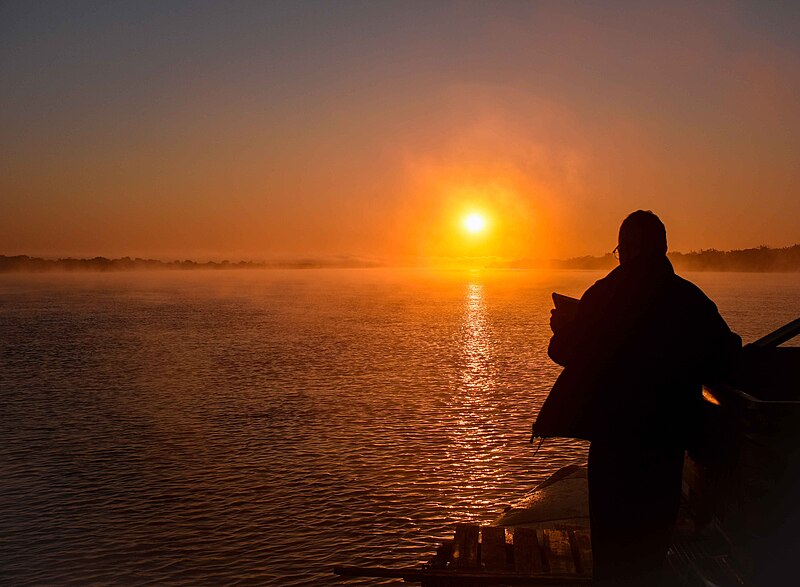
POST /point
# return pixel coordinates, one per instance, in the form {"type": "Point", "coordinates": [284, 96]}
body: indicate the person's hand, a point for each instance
{"type": "Point", "coordinates": [559, 320]}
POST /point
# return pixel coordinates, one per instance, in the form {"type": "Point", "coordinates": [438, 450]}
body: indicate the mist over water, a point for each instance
{"type": "Point", "coordinates": [258, 427]}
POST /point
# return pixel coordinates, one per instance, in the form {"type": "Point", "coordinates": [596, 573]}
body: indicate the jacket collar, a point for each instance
{"type": "Point", "coordinates": [646, 264]}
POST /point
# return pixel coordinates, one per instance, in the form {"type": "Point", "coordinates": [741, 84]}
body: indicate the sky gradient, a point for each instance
{"type": "Point", "coordinates": [250, 130]}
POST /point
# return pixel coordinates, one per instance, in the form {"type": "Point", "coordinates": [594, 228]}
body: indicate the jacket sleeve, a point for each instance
{"type": "Point", "coordinates": [721, 347]}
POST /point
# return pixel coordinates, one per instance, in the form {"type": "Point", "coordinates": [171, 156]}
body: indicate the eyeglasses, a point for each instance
{"type": "Point", "coordinates": [615, 253]}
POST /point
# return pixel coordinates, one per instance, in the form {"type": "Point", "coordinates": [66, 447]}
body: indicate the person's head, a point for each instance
{"type": "Point", "coordinates": [641, 234]}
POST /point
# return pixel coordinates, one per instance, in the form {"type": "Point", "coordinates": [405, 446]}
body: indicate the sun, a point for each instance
{"type": "Point", "coordinates": [474, 223]}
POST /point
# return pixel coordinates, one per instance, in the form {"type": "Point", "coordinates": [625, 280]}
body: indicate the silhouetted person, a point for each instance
{"type": "Point", "coordinates": [635, 354]}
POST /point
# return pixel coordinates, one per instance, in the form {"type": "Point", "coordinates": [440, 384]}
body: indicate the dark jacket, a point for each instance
{"type": "Point", "coordinates": [642, 343]}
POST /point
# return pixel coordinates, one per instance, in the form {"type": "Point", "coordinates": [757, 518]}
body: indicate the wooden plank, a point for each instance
{"type": "Point", "coordinates": [465, 547]}
{"type": "Point", "coordinates": [527, 554]}
{"type": "Point", "coordinates": [558, 552]}
{"type": "Point", "coordinates": [353, 571]}
{"type": "Point", "coordinates": [462, 577]}
{"type": "Point", "coordinates": [581, 543]}
{"type": "Point", "coordinates": [493, 548]}
{"type": "Point", "coordinates": [442, 556]}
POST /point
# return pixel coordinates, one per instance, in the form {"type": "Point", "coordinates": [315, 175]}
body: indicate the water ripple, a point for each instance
{"type": "Point", "coordinates": [256, 428]}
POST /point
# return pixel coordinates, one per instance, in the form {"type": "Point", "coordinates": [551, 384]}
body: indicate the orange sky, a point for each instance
{"type": "Point", "coordinates": [228, 130]}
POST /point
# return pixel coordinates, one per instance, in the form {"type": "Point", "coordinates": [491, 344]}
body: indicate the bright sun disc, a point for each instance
{"type": "Point", "coordinates": [474, 223]}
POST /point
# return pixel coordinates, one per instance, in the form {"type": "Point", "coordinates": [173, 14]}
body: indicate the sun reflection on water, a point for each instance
{"type": "Point", "coordinates": [477, 373]}
{"type": "Point", "coordinates": [478, 441]}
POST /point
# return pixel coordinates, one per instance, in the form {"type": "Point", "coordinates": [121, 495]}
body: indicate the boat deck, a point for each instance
{"type": "Point", "coordinates": [544, 539]}
{"type": "Point", "coordinates": [485, 555]}
{"type": "Point", "coordinates": [496, 555]}
{"type": "Point", "coordinates": [738, 517]}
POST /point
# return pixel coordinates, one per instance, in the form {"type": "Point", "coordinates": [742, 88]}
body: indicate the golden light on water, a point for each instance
{"type": "Point", "coordinates": [475, 446]}
{"type": "Point", "coordinates": [477, 350]}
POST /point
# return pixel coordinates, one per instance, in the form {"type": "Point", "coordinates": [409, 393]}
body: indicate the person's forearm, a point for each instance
{"type": "Point", "coordinates": [561, 346]}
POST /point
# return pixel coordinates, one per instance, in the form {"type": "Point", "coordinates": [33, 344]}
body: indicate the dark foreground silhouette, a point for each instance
{"type": "Point", "coordinates": [635, 354]}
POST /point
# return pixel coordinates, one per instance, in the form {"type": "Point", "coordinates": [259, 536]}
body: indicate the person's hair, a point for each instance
{"type": "Point", "coordinates": [643, 232]}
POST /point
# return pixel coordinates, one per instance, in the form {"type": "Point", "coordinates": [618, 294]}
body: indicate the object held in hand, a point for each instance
{"type": "Point", "coordinates": [565, 305]}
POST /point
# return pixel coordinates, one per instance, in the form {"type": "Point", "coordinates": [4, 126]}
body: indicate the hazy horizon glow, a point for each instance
{"type": "Point", "coordinates": [257, 131]}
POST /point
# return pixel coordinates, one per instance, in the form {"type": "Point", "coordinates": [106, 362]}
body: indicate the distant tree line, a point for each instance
{"type": "Point", "coordinates": [38, 264]}
{"type": "Point", "coordinates": [26, 263]}
{"type": "Point", "coordinates": [760, 259]}
{"type": "Point", "coordinates": [607, 261]}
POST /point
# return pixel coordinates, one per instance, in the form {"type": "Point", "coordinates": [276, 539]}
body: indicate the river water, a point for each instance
{"type": "Point", "coordinates": [258, 427]}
